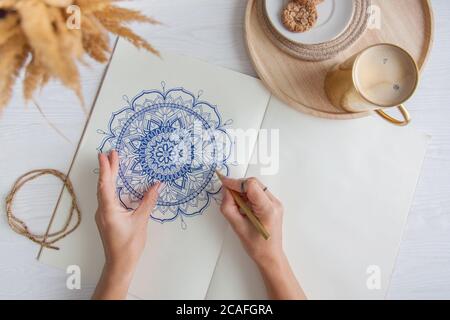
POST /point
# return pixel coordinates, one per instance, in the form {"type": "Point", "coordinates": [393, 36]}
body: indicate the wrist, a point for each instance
{"type": "Point", "coordinates": [118, 272]}
{"type": "Point", "coordinates": [279, 279]}
{"type": "Point", "coordinates": [271, 262]}
{"type": "Point", "coordinates": [113, 284]}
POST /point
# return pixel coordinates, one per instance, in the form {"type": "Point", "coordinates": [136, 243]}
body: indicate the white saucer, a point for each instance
{"type": "Point", "coordinates": [334, 18]}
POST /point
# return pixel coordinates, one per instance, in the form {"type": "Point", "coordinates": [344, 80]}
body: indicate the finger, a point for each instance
{"type": "Point", "coordinates": [233, 184]}
{"type": "Point", "coordinates": [236, 185]}
{"type": "Point", "coordinates": [262, 186]}
{"type": "Point", "coordinates": [105, 170]}
{"type": "Point", "coordinates": [230, 211]}
{"type": "Point", "coordinates": [259, 200]}
{"type": "Point", "coordinates": [275, 201]}
{"type": "Point", "coordinates": [267, 191]}
{"type": "Point", "coordinates": [105, 188]}
{"type": "Point", "coordinates": [228, 203]}
{"type": "Point", "coordinates": [113, 157]}
{"type": "Point", "coordinates": [148, 202]}
{"type": "Point", "coordinates": [270, 195]}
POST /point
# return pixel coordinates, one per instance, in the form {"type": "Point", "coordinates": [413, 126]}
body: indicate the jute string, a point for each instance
{"type": "Point", "coordinates": [19, 226]}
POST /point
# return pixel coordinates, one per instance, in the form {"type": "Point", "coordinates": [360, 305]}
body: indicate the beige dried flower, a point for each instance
{"type": "Point", "coordinates": [34, 36]}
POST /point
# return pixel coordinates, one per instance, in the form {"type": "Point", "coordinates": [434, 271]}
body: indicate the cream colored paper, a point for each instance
{"type": "Point", "coordinates": [347, 187]}
{"type": "Point", "coordinates": [176, 264]}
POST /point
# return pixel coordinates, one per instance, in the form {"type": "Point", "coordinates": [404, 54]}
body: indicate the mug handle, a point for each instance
{"type": "Point", "coordinates": [403, 111]}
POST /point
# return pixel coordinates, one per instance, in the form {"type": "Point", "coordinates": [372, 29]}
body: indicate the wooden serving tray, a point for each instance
{"type": "Point", "coordinates": [406, 23]}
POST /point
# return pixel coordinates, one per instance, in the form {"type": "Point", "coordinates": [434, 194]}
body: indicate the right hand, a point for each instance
{"type": "Point", "coordinates": [269, 211]}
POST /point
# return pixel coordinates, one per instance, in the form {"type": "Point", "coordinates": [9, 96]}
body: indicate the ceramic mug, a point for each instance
{"type": "Point", "coordinates": [379, 77]}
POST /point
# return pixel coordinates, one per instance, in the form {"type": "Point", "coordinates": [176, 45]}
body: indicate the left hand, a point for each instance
{"type": "Point", "coordinates": [123, 232]}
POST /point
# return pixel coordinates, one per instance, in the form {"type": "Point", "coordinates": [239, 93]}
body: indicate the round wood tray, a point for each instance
{"type": "Point", "coordinates": [299, 83]}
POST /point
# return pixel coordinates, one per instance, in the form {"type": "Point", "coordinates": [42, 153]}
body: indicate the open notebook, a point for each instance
{"type": "Point", "coordinates": [346, 185]}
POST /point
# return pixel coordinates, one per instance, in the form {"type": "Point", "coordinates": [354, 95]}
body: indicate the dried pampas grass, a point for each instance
{"type": "Point", "coordinates": [34, 35]}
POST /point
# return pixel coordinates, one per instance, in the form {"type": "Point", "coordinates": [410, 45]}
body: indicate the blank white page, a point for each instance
{"type": "Point", "coordinates": [347, 187]}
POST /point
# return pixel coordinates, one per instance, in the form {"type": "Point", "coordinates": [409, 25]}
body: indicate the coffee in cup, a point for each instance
{"type": "Point", "coordinates": [379, 77]}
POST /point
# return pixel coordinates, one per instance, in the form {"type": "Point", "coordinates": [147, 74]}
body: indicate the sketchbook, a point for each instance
{"type": "Point", "coordinates": [347, 186]}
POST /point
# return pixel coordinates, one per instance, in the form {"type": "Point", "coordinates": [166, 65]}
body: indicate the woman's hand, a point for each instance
{"type": "Point", "coordinates": [269, 211]}
{"type": "Point", "coordinates": [123, 232]}
{"type": "Point", "coordinates": [268, 254]}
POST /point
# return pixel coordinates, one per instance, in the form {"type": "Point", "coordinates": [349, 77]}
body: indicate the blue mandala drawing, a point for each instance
{"type": "Point", "coordinates": [173, 137]}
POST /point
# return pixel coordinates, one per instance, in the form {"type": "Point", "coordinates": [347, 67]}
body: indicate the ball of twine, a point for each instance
{"type": "Point", "coordinates": [19, 226]}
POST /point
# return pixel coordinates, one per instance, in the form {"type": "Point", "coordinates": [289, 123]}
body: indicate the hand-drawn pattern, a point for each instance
{"type": "Point", "coordinates": [173, 137]}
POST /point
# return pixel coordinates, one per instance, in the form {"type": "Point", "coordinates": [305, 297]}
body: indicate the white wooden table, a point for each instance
{"type": "Point", "coordinates": [213, 31]}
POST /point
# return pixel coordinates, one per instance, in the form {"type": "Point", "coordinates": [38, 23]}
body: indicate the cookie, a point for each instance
{"type": "Point", "coordinates": [299, 15]}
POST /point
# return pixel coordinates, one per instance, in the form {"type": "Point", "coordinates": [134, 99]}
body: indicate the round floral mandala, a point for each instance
{"type": "Point", "coordinates": [173, 137]}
